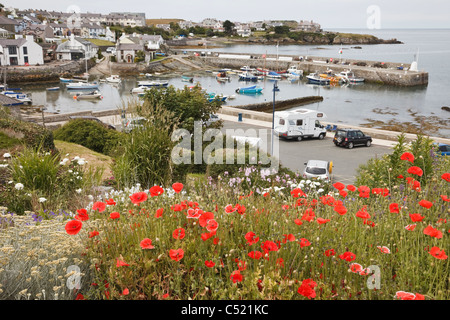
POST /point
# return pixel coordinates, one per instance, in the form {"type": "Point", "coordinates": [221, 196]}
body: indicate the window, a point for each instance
{"type": "Point", "coordinates": [282, 122]}
{"type": "Point", "coordinates": [25, 59]}
{"type": "Point", "coordinates": [25, 50]}
{"type": "Point", "coordinates": [299, 122]}
{"type": "Point", "coordinates": [12, 50]}
{"type": "Point", "coordinates": [359, 134]}
{"type": "Point", "coordinates": [317, 124]}
{"type": "Point", "coordinates": [13, 61]}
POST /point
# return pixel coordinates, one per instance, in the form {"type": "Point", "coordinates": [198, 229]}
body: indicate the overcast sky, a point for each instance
{"type": "Point", "coordinates": [330, 14]}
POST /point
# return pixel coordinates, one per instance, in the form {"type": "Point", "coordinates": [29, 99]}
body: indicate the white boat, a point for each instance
{"type": "Point", "coordinates": [88, 95]}
{"type": "Point", "coordinates": [114, 78]}
{"type": "Point", "coordinates": [22, 97]}
{"type": "Point", "coordinates": [350, 77]}
{"type": "Point", "coordinates": [294, 70]}
{"type": "Point", "coordinates": [153, 83]}
{"type": "Point", "coordinates": [315, 78]}
{"type": "Point", "coordinates": [247, 69]}
{"type": "Point", "coordinates": [140, 90]}
{"type": "Point", "coordinates": [82, 86]}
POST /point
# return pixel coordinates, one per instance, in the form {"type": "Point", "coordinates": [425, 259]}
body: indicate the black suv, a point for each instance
{"type": "Point", "coordinates": [350, 138]}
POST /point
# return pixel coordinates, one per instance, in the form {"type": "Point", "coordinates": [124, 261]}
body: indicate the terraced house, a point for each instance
{"type": "Point", "coordinates": [20, 51]}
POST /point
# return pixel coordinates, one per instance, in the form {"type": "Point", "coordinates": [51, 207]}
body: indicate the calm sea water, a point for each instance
{"type": "Point", "coordinates": [352, 104]}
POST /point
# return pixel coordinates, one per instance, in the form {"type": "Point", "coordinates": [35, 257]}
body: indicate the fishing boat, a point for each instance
{"type": "Point", "coordinates": [53, 89]}
{"type": "Point", "coordinates": [273, 75]}
{"type": "Point", "coordinates": [293, 76]}
{"type": "Point", "coordinates": [350, 76]}
{"type": "Point", "coordinates": [82, 86]}
{"type": "Point", "coordinates": [314, 78]}
{"type": "Point", "coordinates": [88, 95]}
{"type": "Point", "coordinates": [66, 80]}
{"type": "Point", "coordinates": [251, 89]}
{"type": "Point", "coordinates": [334, 78]}
{"type": "Point", "coordinates": [24, 98]}
{"type": "Point", "coordinates": [222, 76]}
{"type": "Point", "coordinates": [247, 76]}
{"type": "Point", "coordinates": [247, 69]}
{"type": "Point", "coordinates": [114, 78]}
{"type": "Point", "coordinates": [157, 84]}
{"type": "Point", "coordinates": [212, 96]}
{"type": "Point", "coordinates": [187, 79]}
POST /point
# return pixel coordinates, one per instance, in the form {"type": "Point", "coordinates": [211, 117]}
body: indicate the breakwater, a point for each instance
{"type": "Point", "coordinates": [280, 105]}
{"type": "Point", "coordinates": [389, 73]}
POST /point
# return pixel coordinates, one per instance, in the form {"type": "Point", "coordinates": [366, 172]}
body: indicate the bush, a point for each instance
{"type": "Point", "coordinates": [90, 134]}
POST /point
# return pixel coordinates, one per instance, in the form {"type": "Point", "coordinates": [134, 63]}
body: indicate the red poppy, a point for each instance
{"type": "Point", "coordinates": [426, 204]}
{"type": "Point", "coordinates": [179, 233]}
{"type": "Point", "coordinates": [251, 239]}
{"type": "Point", "coordinates": [73, 227]}
{"type": "Point", "coordinates": [410, 227]}
{"type": "Point", "coordinates": [445, 198]}
{"type": "Point", "coordinates": [304, 243]}
{"type": "Point", "coordinates": [393, 208]}
{"type": "Point", "coordinates": [125, 291]}
{"type": "Point", "coordinates": [146, 244]}
{"type": "Point", "coordinates": [121, 263]}
{"type": "Point", "coordinates": [255, 254]}
{"type": "Point", "coordinates": [407, 156]}
{"type": "Point", "coordinates": [446, 176]}
{"type": "Point", "coordinates": [339, 185]}
{"type": "Point", "coordinates": [438, 253]}
{"type": "Point", "coordinates": [288, 237]}
{"type": "Point", "coordinates": [329, 252]}
{"type": "Point", "coordinates": [177, 187]}
{"type": "Point", "coordinates": [194, 213]}
{"type": "Point", "coordinates": [236, 276]}
{"type": "Point", "coordinates": [432, 232]}
{"type": "Point", "coordinates": [322, 221]}
{"type": "Point", "coordinates": [110, 202]}
{"type": "Point", "coordinates": [210, 263]}
{"type": "Point", "coordinates": [100, 206]}
{"type": "Point", "coordinates": [351, 187]}
{"type": "Point", "coordinates": [363, 214]}
{"type": "Point", "coordinates": [415, 170]}
{"type": "Point", "coordinates": [242, 265]}
{"type": "Point", "coordinates": [364, 191]}
{"type": "Point", "coordinates": [177, 254]}
{"type": "Point", "coordinates": [348, 256]}
{"type": "Point", "coordinates": [415, 217]}
{"type": "Point", "coordinates": [343, 193]}
{"type": "Point", "coordinates": [82, 215]}
{"type": "Point", "coordinates": [156, 191]}
{"type": "Point", "coordinates": [206, 236]}
{"type": "Point", "coordinates": [297, 192]}
{"type": "Point", "coordinates": [298, 222]}
{"type": "Point", "coordinates": [212, 225]}
{"type": "Point", "coordinates": [340, 209]}
{"type": "Point", "coordinates": [307, 288]}
{"type": "Point", "coordinates": [93, 234]}
{"type": "Point", "coordinates": [356, 268]}
{"type": "Point", "coordinates": [138, 197]}
{"type": "Point", "coordinates": [269, 246]}
{"type": "Point", "coordinates": [203, 220]}
{"type": "Point", "coordinates": [280, 262]}
{"type": "Point", "coordinates": [79, 297]}
{"type": "Point", "coordinates": [159, 213]}
{"type": "Point", "coordinates": [308, 215]}
{"type": "Point", "coordinates": [114, 215]}
{"type": "Point", "coordinates": [384, 249]}
{"type": "Point", "coordinates": [240, 209]}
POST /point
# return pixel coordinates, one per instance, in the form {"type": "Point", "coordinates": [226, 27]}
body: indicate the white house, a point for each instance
{"type": "Point", "coordinates": [127, 52]}
{"type": "Point", "coordinates": [76, 48]}
{"type": "Point", "coordinates": [151, 42]}
{"type": "Point", "coordinates": [20, 51]}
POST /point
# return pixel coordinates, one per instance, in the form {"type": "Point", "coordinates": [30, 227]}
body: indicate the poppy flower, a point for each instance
{"type": "Point", "coordinates": [236, 276]}
{"type": "Point", "coordinates": [212, 225]}
{"type": "Point", "coordinates": [79, 297]}
{"type": "Point", "coordinates": [340, 209]}
{"type": "Point", "coordinates": [269, 246]}
{"type": "Point", "coordinates": [339, 185]}
{"type": "Point", "coordinates": [206, 236]}
{"type": "Point", "coordinates": [426, 204]}
{"type": "Point", "coordinates": [393, 208]}
{"type": "Point", "coordinates": [432, 232]}
{"type": "Point", "coordinates": [307, 288]}
{"type": "Point", "coordinates": [159, 213]}
{"type": "Point", "coordinates": [121, 263]}
{"type": "Point", "coordinates": [438, 253]}
{"type": "Point", "coordinates": [194, 213]}
{"type": "Point", "coordinates": [251, 239]}
{"type": "Point", "coordinates": [110, 202]}
{"type": "Point", "coordinates": [73, 227]}
{"type": "Point", "coordinates": [322, 221]}
{"type": "Point", "coordinates": [308, 215]}
{"type": "Point", "coordinates": [415, 170]}
{"type": "Point", "coordinates": [384, 249]}
{"type": "Point", "coordinates": [348, 256]}
{"type": "Point", "coordinates": [156, 191]}
{"type": "Point", "coordinates": [446, 176]}
{"type": "Point", "coordinates": [177, 254]}
{"type": "Point", "coordinates": [304, 243]}
{"type": "Point", "coordinates": [351, 187]}
{"type": "Point", "coordinates": [179, 233]}
{"type": "Point", "coordinates": [297, 192]}
{"type": "Point", "coordinates": [356, 268]}
{"type": "Point", "coordinates": [363, 214]}
{"type": "Point", "coordinates": [93, 234]}
{"type": "Point", "coordinates": [280, 262]}
{"type": "Point", "coordinates": [125, 292]}
{"type": "Point", "coordinates": [410, 227]}
{"type": "Point", "coordinates": [240, 209]}
{"type": "Point", "coordinates": [329, 252]}
{"type": "Point", "coordinates": [288, 237]}
{"type": "Point", "coordinates": [146, 244]}
{"type": "Point", "coordinates": [255, 254]}
{"type": "Point", "coordinates": [210, 263]}
{"type": "Point", "coordinates": [364, 191]}
{"type": "Point", "coordinates": [203, 220]}
{"type": "Point", "coordinates": [343, 193]}
{"type": "Point", "coordinates": [138, 197]}
{"type": "Point", "coordinates": [445, 198]}
{"type": "Point", "coordinates": [82, 215]}
{"type": "Point", "coordinates": [114, 215]}
{"type": "Point", "coordinates": [407, 156]}
{"type": "Point", "coordinates": [177, 187]}
{"type": "Point", "coordinates": [230, 208]}
{"type": "Point", "coordinates": [415, 217]}
{"type": "Point", "coordinates": [298, 222]}
{"type": "Point", "coordinates": [100, 206]}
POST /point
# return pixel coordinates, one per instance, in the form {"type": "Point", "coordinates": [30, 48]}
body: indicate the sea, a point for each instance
{"type": "Point", "coordinates": [367, 104]}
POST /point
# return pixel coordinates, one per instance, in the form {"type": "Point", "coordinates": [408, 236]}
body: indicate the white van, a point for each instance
{"type": "Point", "coordinates": [299, 124]}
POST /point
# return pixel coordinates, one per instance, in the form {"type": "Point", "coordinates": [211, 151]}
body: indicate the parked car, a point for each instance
{"type": "Point", "coordinates": [111, 50]}
{"type": "Point", "coordinates": [350, 138]}
{"type": "Point", "coordinates": [444, 149]}
{"type": "Point", "coordinates": [318, 169]}
{"type": "Point", "coordinates": [109, 126]}
{"type": "Point", "coordinates": [133, 123]}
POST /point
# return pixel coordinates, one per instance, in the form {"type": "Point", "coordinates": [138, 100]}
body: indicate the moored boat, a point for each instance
{"type": "Point", "coordinates": [53, 89]}
{"type": "Point", "coordinates": [82, 86]}
{"type": "Point", "coordinates": [114, 78]}
{"type": "Point", "coordinates": [247, 76]}
{"type": "Point", "coordinates": [350, 76]}
{"type": "Point", "coordinates": [251, 89]}
{"type": "Point", "coordinates": [88, 95]}
{"type": "Point", "coordinates": [153, 83]}
{"type": "Point", "coordinates": [314, 78]}
{"type": "Point", "coordinates": [24, 98]}
{"type": "Point", "coordinates": [187, 79]}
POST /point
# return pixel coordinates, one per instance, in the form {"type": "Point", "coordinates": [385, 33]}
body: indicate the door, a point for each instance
{"type": "Point", "coordinates": [359, 138]}
{"type": "Point", "coordinates": [129, 58]}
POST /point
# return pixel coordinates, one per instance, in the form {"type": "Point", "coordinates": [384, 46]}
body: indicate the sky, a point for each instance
{"type": "Point", "coordinates": [374, 14]}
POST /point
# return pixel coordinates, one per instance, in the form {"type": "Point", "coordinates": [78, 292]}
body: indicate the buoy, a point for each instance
{"type": "Point", "coordinates": [101, 97]}
{"type": "Point", "coordinates": [75, 97]}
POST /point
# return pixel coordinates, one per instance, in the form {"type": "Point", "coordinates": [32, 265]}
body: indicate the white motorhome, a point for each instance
{"type": "Point", "coordinates": [299, 124]}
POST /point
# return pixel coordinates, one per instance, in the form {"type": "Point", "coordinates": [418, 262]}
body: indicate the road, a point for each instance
{"type": "Point", "coordinates": [293, 154]}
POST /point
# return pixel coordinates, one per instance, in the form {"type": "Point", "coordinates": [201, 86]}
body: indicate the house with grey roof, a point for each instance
{"type": "Point", "coordinates": [76, 48]}
{"type": "Point", "coordinates": [11, 25]}
{"type": "Point", "coordinates": [127, 52]}
{"type": "Point", "coordinates": [39, 31]}
{"type": "Point", "coordinates": [20, 51]}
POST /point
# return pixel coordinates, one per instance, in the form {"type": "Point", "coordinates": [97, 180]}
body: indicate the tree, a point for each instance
{"type": "Point", "coordinates": [228, 27]}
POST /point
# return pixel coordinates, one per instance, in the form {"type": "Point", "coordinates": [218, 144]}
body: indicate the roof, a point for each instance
{"type": "Point", "coordinates": [12, 42]}
{"type": "Point", "coordinates": [4, 20]}
{"type": "Point", "coordinates": [130, 46]}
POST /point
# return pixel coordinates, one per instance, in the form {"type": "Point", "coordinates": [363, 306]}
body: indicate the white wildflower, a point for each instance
{"type": "Point", "coordinates": [18, 186]}
{"type": "Point", "coordinates": [6, 155]}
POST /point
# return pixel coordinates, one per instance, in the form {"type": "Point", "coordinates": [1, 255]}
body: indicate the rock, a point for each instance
{"type": "Point", "coordinates": [446, 108]}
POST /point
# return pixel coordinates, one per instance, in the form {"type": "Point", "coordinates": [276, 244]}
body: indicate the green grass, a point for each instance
{"type": "Point", "coordinates": [101, 42]}
{"type": "Point", "coordinates": [7, 142]}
